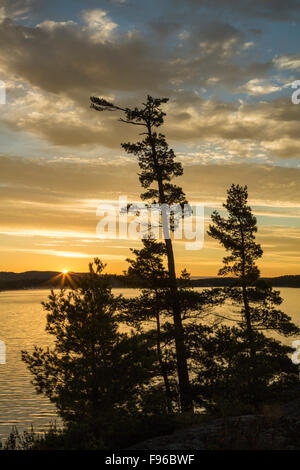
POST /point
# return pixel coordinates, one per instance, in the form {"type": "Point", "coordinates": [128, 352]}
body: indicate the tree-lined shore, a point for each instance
{"type": "Point", "coordinates": [45, 280]}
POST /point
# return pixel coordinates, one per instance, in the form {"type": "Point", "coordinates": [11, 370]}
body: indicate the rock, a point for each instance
{"type": "Point", "coordinates": [242, 432]}
{"type": "Point", "coordinates": [179, 440]}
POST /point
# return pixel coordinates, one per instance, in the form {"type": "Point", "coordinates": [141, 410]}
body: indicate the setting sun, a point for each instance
{"type": "Point", "coordinates": [65, 271]}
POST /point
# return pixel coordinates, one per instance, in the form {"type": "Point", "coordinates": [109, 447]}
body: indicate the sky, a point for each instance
{"type": "Point", "coordinates": [227, 68]}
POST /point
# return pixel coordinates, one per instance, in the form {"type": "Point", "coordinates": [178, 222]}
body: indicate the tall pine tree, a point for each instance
{"type": "Point", "coordinates": [258, 303]}
{"type": "Point", "coordinates": [158, 167]}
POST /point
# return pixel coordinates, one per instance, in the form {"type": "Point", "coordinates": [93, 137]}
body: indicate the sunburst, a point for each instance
{"type": "Point", "coordinates": [63, 275]}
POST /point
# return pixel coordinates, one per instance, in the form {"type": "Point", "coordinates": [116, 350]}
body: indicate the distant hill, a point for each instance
{"type": "Point", "coordinates": [51, 279]}
{"type": "Point", "coordinates": [285, 281]}
{"type": "Point", "coordinates": [30, 279]}
{"type": "Point", "coordinates": [41, 275]}
{"type": "Point", "coordinates": [280, 281]}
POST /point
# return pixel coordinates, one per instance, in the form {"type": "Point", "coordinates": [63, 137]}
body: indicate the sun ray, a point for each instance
{"type": "Point", "coordinates": [62, 277]}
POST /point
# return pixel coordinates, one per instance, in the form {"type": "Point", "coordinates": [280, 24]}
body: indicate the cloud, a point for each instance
{"type": "Point", "coordinates": [51, 26]}
{"type": "Point", "coordinates": [99, 25]}
{"type": "Point", "coordinates": [272, 125]}
{"type": "Point", "coordinates": [268, 185]}
{"type": "Point", "coordinates": [61, 58]}
{"type": "Point", "coordinates": [70, 58]}
{"type": "Point", "coordinates": [275, 10]}
{"type": "Point", "coordinates": [287, 62]}
{"type": "Point", "coordinates": [56, 66]}
{"type": "Point", "coordinates": [64, 254]}
{"type": "Point", "coordinates": [53, 68]}
{"type": "Point", "coordinates": [268, 128]}
{"type": "Point", "coordinates": [57, 178]}
{"type": "Point", "coordinates": [164, 28]}
{"type": "Point", "coordinates": [205, 38]}
{"type": "Point", "coordinates": [14, 8]}
{"type": "Point", "coordinates": [258, 87]}
{"type": "Point", "coordinates": [75, 186]}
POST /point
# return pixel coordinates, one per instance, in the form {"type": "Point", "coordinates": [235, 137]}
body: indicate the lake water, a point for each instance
{"type": "Point", "coordinates": [23, 321]}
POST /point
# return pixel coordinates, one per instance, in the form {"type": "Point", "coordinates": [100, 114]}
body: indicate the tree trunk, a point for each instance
{"type": "Point", "coordinates": [164, 372]}
{"type": "Point", "coordinates": [249, 328]}
{"type": "Point", "coordinates": [246, 301]}
{"type": "Point", "coordinates": [182, 368]}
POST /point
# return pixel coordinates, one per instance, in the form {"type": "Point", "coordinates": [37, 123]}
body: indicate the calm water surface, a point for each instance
{"type": "Point", "coordinates": [23, 321]}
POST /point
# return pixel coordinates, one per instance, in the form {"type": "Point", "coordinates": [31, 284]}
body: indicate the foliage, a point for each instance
{"type": "Point", "coordinates": [248, 366]}
{"type": "Point", "coordinates": [150, 313]}
{"type": "Point", "coordinates": [93, 371]}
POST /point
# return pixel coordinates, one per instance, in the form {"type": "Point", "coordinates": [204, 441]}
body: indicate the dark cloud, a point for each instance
{"type": "Point", "coordinates": [62, 58]}
{"type": "Point", "coordinates": [218, 32]}
{"type": "Point", "coordinates": [268, 9]}
{"type": "Point", "coordinates": [64, 61]}
{"type": "Point", "coordinates": [15, 8]}
{"type": "Point", "coordinates": [164, 28]}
